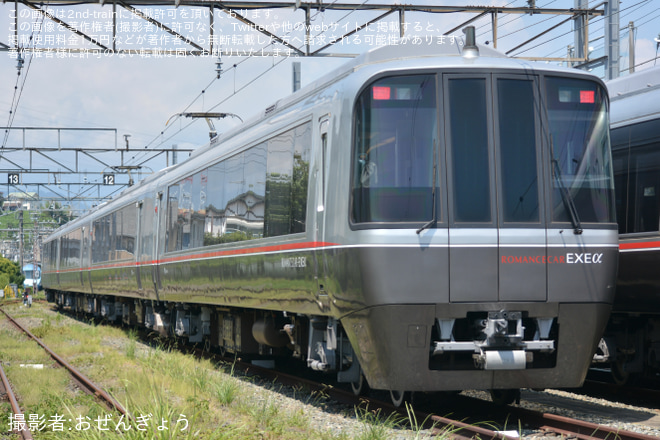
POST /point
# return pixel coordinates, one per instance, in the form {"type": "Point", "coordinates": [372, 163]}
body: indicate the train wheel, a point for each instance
{"type": "Point", "coordinates": [361, 387]}
{"type": "Point", "coordinates": [398, 397]}
{"type": "Point", "coordinates": [619, 373]}
{"type": "Point", "coordinates": [505, 397]}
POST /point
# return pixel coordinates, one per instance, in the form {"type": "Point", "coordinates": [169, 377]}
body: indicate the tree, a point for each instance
{"type": "Point", "coordinates": [12, 270]}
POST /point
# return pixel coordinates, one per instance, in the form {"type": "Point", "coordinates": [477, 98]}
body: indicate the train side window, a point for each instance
{"type": "Point", "coordinates": [235, 197]}
{"type": "Point", "coordinates": [624, 214]}
{"type": "Point", "coordinates": [644, 193]}
{"type": "Point", "coordinates": [172, 236]}
{"type": "Point", "coordinates": [234, 210]}
{"type": "Point", "coordinates": [198, 209]}
{"type": "Point", "coordinates": [468, 121]}
{"type": "Point", "coordinates": [287, 175]}
{"type": "Point", "coordinates": [215, 203]}
{"type": "Point", "coordinates": [254, 197]}
{"type": "Point", "coordinates": [517, 148]}
{"type": "Point", "coordinates": [302, 139]}
{"type": "Point", "coordinates": [147, 232]}
{"type": "Point", "coordinates": [126, 232]}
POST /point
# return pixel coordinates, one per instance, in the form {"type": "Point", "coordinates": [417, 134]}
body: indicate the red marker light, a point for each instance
{"type": "Point", "coordinates": [381, 93]}
{"type": "Point", "coordinates": [587, 97]}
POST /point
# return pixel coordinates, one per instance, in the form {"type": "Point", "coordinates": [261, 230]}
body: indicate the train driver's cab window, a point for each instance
{"type": "Point", "coordinates": [393, 156]}
{"type": "Point", "coordinates": [579, 141]}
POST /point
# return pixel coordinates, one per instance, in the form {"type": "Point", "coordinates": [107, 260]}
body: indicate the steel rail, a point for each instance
{"type": "Point", "coordinates": [27, 435]}
{"type": "Point", "coordinates": [78, 376]}
{"type": "Point", "coordinates": [576, 428]}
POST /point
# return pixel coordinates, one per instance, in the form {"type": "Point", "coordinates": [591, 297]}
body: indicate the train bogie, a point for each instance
{"type": "Point", "coordinates": [423, 222]}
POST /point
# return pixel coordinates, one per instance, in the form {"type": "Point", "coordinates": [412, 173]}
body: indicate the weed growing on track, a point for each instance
{"type": "Point", "coordinates": [375, 425]}
{"type": "Point", "coordinates": [132, 343]}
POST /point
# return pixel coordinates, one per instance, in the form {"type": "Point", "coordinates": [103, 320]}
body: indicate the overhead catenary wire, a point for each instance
{"type": "Point", "coordinates": [233, 67]}
{"type": "Point", "coordinates": [19, 92]}
{"type": "Point", "coordinates": [571, 31]}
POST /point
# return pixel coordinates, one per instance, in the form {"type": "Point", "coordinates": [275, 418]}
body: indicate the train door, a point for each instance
{"type": "Point", "coordinates": [159, 211]}
{"type": "Point", "coordinates": [84, 255]}
{"type": "Point", "coordinates": [88, 261]}
{"type": "Point", "coordinates": [495, 232]}
{"type": "Point", "coordinates": [472, 217]}
{"type": "Point", "coordinates": [139, 240]}
{"type": "Point", "coordinates": [320, 171]}
{"type": "Point", "coordinates": [57, 259]}
{"type": "Point", "coordinates": [522, 255]}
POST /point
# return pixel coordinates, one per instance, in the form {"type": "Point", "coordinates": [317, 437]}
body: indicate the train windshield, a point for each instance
{"type": "Point", "coordinates": [396, 130]}
{"type": "Point", "coordinates": [581, 161]}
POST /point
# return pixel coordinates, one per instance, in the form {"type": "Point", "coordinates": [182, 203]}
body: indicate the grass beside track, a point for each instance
{"type": "Point", "coordinates": [170, 395]}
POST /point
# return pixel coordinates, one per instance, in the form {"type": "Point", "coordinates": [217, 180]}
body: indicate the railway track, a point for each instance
{"type": "Point", "coordinates": [467, 425]}
{"type": "Point", "coordinates": [82, 381]}
{"type": "Point", "coordinates": [6, 389]}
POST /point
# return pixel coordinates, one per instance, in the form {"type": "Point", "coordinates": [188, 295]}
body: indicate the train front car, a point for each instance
{"type": "Point", "coordinates": [482, 243]}
{"type": "Point", "coordinates": [435, 218]}
{"type": "Point", "coordinates": [632, 338]}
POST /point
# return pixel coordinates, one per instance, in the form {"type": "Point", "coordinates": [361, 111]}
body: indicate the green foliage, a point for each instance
{"type": "Point", "coordinates": [231, 237]}
{"type": "Point", "coordinates": [375, 426]}
{"type": "Point", "coordinates": [4, 280]}
{"type": "Point", "coordinates": [12, 270]}
{"type": "Point", "coordinates": [58, 214]}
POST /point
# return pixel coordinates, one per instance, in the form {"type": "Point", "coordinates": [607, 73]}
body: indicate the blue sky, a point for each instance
{"type": "Point", "coordinates": [137, 95]}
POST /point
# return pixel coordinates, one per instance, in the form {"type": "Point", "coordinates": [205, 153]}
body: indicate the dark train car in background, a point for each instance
{"type": "Point", "coordinates": [425, 218]}
{"type": "Point", "coordinates": [632, 339]}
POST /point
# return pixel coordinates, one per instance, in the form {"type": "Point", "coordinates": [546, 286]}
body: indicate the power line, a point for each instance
{"type": "Point", "coordinates": [571, 31]}
{"type": "Point", "coordinates": [18, 93]}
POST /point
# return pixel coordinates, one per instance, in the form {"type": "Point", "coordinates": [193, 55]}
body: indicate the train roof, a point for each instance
{"type": "Point", "coordinates": [634, 98]}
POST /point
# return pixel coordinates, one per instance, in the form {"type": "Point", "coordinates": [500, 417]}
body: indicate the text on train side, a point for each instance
{"type": "Point", "coordinates": [569, 258]}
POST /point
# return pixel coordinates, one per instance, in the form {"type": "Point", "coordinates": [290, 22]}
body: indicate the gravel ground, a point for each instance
{"type": "Point", "coordinates": [595, 410]}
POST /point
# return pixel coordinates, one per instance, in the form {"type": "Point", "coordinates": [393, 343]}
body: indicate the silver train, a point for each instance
{"type": "Point", "coordinates": [632, 338]}
{"type": "Point", "coordinates": [425, 218]}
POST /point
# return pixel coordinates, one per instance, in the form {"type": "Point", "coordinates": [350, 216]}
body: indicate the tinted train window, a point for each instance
{"type": "Point", "coordinates": [173, 241]}
{"type": "Point", "coordinates": [255, 190]}
{"type": "Point", "coordinates": [125, 232]}
{"type": "Point", "coordinates": [581, 161]}
{"type": "Point", "coordinates": [468, 121]}
{"type": "Point", "coordinates": [517, 147]}
{"type": "Point", "coordinates": [101, 239]}
{"type": "Point", "coordinates": [114, 236]}
{"type": "Point", "coordinates": [71, 246]}
{"type": "Point", "coordinates": [395, 135]}
{"type": "Point", "coordinates": [235, 197]}
{"type": "Point", "coordinates": [636, 154]}
{"type": "Point", "coordinates": [638, 189]}
{"type": "Point", "coordinates": [286, 182]}
{"type": "Point", "coordinates": [261, 192]}
{"type": "Point", "coordinates": [147, 235]}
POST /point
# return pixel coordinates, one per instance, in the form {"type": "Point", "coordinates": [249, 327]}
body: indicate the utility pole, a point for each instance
{"type": "Point", "coordinates": [631, 47]}
{"type": "Point", "coordinates": [580, 33]}
{"type": "Point", "coordinates": [20, 237]}
{"type": "Point", "coordinates": [296, 76]}
{"type": "Point", "coordinates": [612, 39]}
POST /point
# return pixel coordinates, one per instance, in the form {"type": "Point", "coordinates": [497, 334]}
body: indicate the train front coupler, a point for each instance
{"type": "Point", "coordinates": [500, 343]}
